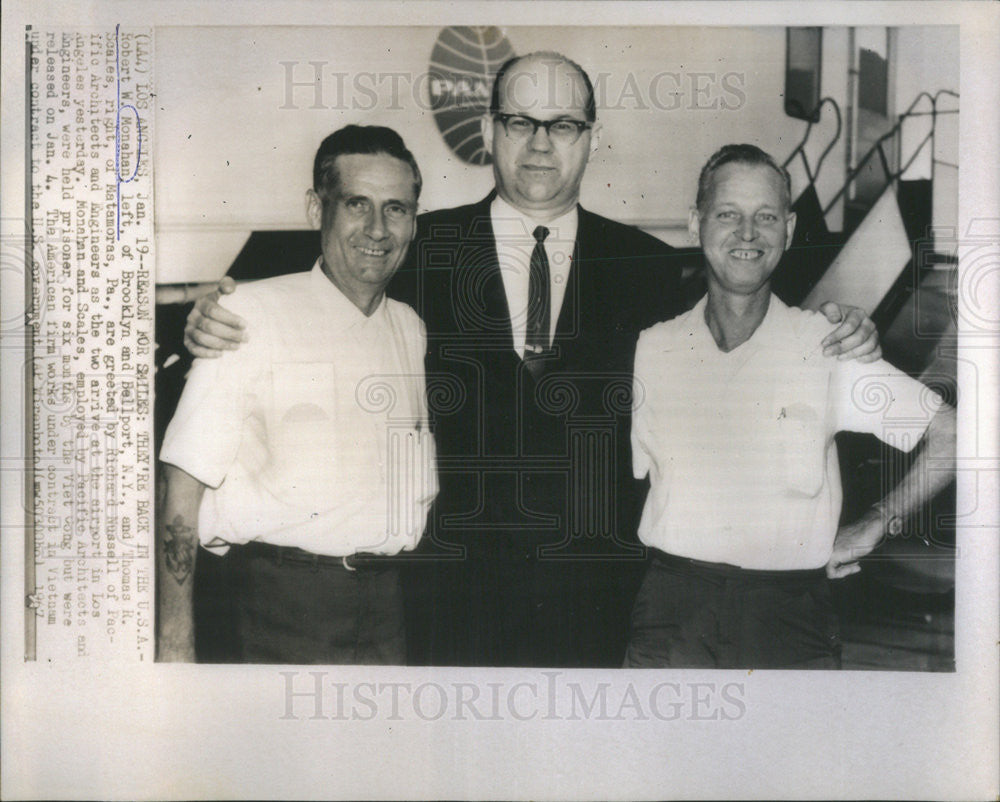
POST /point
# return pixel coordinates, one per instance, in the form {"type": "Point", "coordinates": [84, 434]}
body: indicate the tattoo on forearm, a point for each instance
{"type": "Point", "coordinates": [178, 549]}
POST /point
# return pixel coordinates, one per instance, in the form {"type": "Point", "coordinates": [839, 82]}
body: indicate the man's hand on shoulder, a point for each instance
{"type": "Point", "coordinates": [855, 338]}
{"type": "Point", "coordinates": [212, 329]}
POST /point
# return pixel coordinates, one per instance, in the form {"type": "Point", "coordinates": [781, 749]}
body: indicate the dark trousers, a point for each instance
{"type": "Point", "coordinates": [693, 614]}
{"type": "Point", "coordinates": [532, 612]}
{"type": "Point", "coordinates": [296, 610]}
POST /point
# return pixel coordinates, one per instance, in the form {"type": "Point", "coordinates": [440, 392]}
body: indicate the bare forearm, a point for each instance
{"type": "Point", "coordinates": [931, 471]}
{"type": "Point", "coordinates": [176, 550]}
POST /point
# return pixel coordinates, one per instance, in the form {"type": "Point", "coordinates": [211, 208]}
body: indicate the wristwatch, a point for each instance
{"type": "Point", "coordinates": [894, 526]}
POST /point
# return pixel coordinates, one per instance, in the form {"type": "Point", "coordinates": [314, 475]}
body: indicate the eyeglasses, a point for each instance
{"type": "Point", "coordinates": [521, 126]}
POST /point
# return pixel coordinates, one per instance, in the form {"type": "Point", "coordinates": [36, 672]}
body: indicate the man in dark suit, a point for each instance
{"type": "Point", "coordinates": [533, 306]}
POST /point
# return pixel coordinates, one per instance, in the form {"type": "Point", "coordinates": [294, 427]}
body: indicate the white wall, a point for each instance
{"type": "Point", "coordinates": [928, 62]}
{"type": "Point", "coordinates": [229, 159]}
{"type": "Point", "coordinates": [928, 59]}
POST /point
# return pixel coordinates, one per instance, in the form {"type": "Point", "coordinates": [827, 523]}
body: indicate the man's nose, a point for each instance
{"type": "Point", "coordinates": [375, 225]}
{"type": "Point", "coordinates": [540, 139]}
{"type": "Point", "coordinates": [748, 228]}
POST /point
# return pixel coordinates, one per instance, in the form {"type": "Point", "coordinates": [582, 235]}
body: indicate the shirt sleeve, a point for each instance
{"type": "Point", "coordinates": [418, 363]}
{"type": "Point", "coordinates": [882, 400]}
{"type": "Point", "coordinates": [640, 410]}
{"type": "Point", "coordinates": [205, 432]}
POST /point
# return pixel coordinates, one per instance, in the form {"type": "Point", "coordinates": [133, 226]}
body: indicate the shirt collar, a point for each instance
{"type": "Point", "coordinates": [509, 222]}
{"type": "Point", "coordinates": [774, 330]}
{"type": "Point", "coordinates": [344, 314]}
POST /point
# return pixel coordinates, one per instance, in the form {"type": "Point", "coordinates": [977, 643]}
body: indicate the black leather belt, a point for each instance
{"type": "Point", "coordinates": [727, 571]}
{"type": "Point", "coordinates": [359, 561]}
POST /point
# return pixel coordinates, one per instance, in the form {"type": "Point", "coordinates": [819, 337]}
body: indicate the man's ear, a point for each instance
{"type": "Point", "coordinates": [595, 139]}
{"type": "Point", "coordinates": [694, 225]}
{"type": "Point", "coordinates": [413, 229]}
{"type": "Point", "coordinates": [789, 229]}
{"type": "Point", "coordinates": [314, 209]}
{"type": "Point", "coordinates": [486, 129]}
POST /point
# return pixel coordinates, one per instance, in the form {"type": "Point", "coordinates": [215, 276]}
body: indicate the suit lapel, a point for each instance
{"type": "Point", "coordinates": [480, 255]}
{"type": "Point", "coordinates": [579, 285]}
{"type": "Point", "coordinates": [568, 323]}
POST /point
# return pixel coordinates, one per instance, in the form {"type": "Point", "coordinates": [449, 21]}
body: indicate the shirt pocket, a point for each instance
{"type": "Point", "coordinates": [801, 434]}
{"type": "Point", "coordinates": [301, 427]}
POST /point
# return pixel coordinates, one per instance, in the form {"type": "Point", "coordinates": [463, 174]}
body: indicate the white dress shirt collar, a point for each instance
{"type": "Point", "coordinates": [345, 314]}
{"type": "Point", "coordinates": [775, 330]}
{"type": "Point", "coordinates": [513, 233]}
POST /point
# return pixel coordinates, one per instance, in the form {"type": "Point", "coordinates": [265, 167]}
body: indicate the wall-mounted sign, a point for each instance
{"type": "Point", "coordinates": [463, 63]}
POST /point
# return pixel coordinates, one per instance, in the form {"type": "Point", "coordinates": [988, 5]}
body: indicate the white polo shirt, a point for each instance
{"type": "Point", "coordinates": [739, 446]}
{"type": "Point", "coordinates": [314, 433]}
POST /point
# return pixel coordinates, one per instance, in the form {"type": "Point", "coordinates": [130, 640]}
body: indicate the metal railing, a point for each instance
{"type": "Point", "coordinates": [894, 134]}
{"type": "Point", "coordinates": [800, 149]}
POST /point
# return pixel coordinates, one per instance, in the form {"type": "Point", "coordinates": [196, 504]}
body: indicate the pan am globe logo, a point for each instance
{"type": "Point", "coordinates": [463, 63]}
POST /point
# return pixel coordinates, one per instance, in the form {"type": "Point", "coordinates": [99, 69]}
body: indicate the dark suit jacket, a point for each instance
{"type": "Point", "coordinates": [535, 472]}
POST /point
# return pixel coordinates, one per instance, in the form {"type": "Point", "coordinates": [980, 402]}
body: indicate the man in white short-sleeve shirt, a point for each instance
{"type": "Point", "coordinates": [735, 413]}
{"type": "Point", "coordinates": [305, 456]}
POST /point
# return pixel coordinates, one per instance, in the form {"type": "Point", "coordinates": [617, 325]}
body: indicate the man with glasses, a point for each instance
{"type": "Point", "coordinates": [533, 306]}
{"type": "Point", "coordinates": [544, 304]}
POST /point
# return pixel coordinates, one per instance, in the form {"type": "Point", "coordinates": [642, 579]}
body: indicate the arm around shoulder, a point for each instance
{"type": "Point", "coordinates": [211, 329]}
{"type": "Point", "coordinates": [855, 338]}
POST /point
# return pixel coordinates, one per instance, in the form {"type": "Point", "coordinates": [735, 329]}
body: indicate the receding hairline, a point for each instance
{"type": "Point", "coordinates": [748, 156]}
{"type": "Point", "coordinates": [360, 140]}
{"type": "Point", "coordinates": [331, 172]}
{"type": "Point", "coordinates": [549, 58]}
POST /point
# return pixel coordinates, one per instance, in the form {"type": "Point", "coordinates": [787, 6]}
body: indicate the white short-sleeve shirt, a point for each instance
{"type": "Point", "coordinates": [314, 433]}
{"type": "Point", "coordinates": [739, 446]}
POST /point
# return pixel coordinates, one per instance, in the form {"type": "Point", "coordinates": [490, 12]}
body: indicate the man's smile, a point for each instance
{"type": "Point", "coordinates": [746, 254]}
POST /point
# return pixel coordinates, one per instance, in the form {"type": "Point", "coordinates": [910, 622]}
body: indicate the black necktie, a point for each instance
{"type": "Point", "coordinates": [536, 340]}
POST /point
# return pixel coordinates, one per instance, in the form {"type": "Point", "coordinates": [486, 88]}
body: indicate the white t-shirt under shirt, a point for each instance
{"type": "Point", "coordinates": [739, 446]}
{"type": "Point", "coordinates": [314, 433]}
